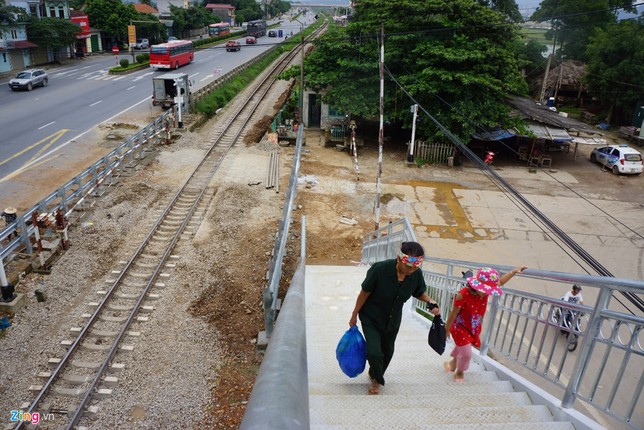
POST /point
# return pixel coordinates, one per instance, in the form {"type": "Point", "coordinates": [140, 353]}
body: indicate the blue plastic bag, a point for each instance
{"type": "Point", "coordinates": [351, 352]}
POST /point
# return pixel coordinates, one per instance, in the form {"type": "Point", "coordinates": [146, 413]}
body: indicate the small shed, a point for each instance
{"type": "Point", "coordinates": [565, 82]}
{"type": "Point", "coordinates": [552, 130]}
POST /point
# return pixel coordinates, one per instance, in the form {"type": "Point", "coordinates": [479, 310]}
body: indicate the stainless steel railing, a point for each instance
{"type": "Point", "coordinates": [605, 370]}
{"type": "Point", "coordinates": [73, 194]}
{"type": "Point", "coordinates": [270, 293]}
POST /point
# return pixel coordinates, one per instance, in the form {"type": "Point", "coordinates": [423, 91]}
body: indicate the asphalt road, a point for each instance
{"type": "Point", "coordinates": [82, 94]}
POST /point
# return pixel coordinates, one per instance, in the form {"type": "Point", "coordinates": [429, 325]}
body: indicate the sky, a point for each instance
{"type": "Point", "coordinates": [527, 7]}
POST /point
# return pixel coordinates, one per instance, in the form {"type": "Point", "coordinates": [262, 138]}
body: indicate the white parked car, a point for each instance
{"type": "Point", "coordinates": [618, 158]}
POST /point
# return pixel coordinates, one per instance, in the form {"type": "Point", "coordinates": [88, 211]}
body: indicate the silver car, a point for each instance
{"type": "Point", "coordinates": [28, 79]}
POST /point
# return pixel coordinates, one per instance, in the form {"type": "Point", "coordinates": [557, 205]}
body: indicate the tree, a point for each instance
{"type": "Point", "coordinates": [76, 4]}
{"type": "Point", "coordinates": [149, 26]}
{"type": "Point", "coordinates": [573, 22]}
{"type": "Point", "coordinates": [52, 33]}
{"type": "Point", "coordinates": [455, 57]}
{"type": "Point", "coordinates": [191, 18]}
{"type": "Point", "coordinates": [245, 10]}
{"type": "Point", "coordinates": [11, 15]}
{"type": "Point", "coordinates": [111, 16]}
{"type": "Point", "coordinates": [615, 70]}
{"type": "Point", "coordinates": [530, 57]}
{"type": "Point", "coordinates": [506, 7]}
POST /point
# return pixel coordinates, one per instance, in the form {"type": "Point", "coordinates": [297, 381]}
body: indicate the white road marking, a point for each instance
{"type": "Point", "coordinates": [94, 104]}
{"type": "Point", "coordinates": [46, 125]}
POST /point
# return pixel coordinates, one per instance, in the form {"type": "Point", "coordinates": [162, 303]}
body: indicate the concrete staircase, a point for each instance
{"type": "Point", "coordinates": [418, 394]}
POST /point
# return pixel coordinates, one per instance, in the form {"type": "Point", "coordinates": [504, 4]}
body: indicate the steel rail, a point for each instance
{"type": "Point", "coordinates": [232, 133]}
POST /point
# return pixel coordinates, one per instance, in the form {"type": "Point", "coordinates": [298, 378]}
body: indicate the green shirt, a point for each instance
{"type": "Point", "coordinates": [383, 307]}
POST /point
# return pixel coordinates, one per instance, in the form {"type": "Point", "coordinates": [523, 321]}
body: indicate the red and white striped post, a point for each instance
{"type": "Point", "coordinates": [41, 257]}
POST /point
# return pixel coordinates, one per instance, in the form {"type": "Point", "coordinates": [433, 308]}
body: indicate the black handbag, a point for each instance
{"type": "Point", "coordinates": [437, 336]}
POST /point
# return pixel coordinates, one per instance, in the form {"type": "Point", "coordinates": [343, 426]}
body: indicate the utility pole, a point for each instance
{"type": "Point", "coordinates": [414, 110]}
{"type": "Point", "coordinates": [381, 134]}
{"type": "Point", "coordinates": [545, 77]}
{"type": "Point", "coordinates": [301, 101]}
{"type": "Point", "coordinates": [545, 80]}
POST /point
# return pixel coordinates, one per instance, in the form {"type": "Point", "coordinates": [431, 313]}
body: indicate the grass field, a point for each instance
{"type": "Point", "coordinates": [534, 34]}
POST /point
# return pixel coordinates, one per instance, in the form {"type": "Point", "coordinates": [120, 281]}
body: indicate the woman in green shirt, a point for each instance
{"type": "Point", "coordinates": [387, 286]}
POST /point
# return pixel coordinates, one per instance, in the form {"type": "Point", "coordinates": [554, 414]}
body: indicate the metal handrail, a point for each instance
{"type": "Point", "coordinates": [520, 329]}
{"type": "Point", "coordinates": [77, 189]}
{"type": "Point", "coordinates": [280, 396]}
{"type": "Point", "coordinates": [274, 275]}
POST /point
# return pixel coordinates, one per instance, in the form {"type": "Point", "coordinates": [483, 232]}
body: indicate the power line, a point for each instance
{"type": "Point", "coordinates": [469, 120]}
{"type": "Point", "coordinates": [504, 185]}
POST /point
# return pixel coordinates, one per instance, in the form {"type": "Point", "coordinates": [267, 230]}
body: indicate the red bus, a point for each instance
{"type": "Point", "coordinates": [171, 55]}
{"type": "Point", "coordinates": [219, 29]}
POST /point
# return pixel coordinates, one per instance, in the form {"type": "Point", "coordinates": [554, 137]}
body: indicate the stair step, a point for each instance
{"type": "Point", "coordinates": [384, 401]}
{"type": "Point", "coordinates": [426, 377]}
{"type": "Point", "coordinates": [359, 387]}
{"type": "Point", "coordinates": [555, 425]}
{"type": "Point", "coordinates": [432, 414]}
{"type": "Point", "coordinates": [419, 394]}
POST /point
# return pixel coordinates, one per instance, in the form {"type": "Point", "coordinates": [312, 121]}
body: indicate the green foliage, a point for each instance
{"type": "Point", "coordinates": [124, 62]}
{"type": "Point", "coordinates": [508, 8]}
{"type": "Point", "coordinates": [111, 16]}
{"type": "Point", "coordinates": [143, 58]}
{"type": "Point", "coordinates": [191, 18]}
{"type": "Point", "coordinates": [148, 26]}
{"type": "Point", "coordinates": [51, 33]}
{"type": "Point", "coordinates": [455, 57]}
{"type": "Point", "coordinates": [616, 67]}
{"type": "Point", "coordinates": [518, 123]}
{"type": "Point", "coordinates": [76, 4]}
{"type": "Point", "coordinates": [245, 10]}
{"type": "Point", "coordinates": [530, 57]}
{"type": "Point", "coordinates": [11, 15]}
{"type": "Point", "coordinates": [218, 98]}
{"type": "Point", "coordinates": [574, 21]}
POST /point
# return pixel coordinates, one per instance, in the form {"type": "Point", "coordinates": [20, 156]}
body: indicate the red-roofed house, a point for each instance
{"type": "Point", "coordinates": [225, 11]}
{"type": "Point", "coordinates": [144, 8]}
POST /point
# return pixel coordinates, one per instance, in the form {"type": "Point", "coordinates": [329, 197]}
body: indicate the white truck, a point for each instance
{"type": "Point", "coordinates": [170, 89]}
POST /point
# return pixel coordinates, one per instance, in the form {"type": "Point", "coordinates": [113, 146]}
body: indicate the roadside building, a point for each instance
{"type": "Point", "coordinates": [225, 11]}
{"type": "Point", "coordinates": [16, 52]}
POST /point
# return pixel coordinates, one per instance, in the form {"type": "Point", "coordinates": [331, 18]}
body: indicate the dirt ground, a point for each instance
{"type": "Point", "coordinates": [234, 259]}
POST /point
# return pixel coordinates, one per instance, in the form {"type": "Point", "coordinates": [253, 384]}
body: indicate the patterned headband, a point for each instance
{"type": "Point", "coordinates": [410, 261]}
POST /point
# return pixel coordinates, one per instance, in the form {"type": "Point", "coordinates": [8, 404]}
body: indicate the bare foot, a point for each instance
{"type": "Point", "coordinates": [449, 366]}
{"type": "Point", "coordinates": [374, 387]}
{"type": "Point", "coordinates": [459, 377]}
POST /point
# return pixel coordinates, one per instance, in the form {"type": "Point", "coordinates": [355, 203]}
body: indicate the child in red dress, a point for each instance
{"type": "Point", "coordinates": [466, 318]}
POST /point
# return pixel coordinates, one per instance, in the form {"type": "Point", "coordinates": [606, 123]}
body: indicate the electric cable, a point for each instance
{"type": "Point", "coordinates": [592, 262]}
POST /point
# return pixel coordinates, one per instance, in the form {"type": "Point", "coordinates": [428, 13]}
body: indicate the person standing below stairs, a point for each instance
{"type": "Point", "coordinates": [465, 321]}
{"type": "Point", "coordinates": [386, 287]}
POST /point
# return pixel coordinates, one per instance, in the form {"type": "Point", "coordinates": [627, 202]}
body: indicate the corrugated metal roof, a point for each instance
{"type": "Point", "coordinates": [491, 135]}
{"type": "Point", "coordinates": [554, 134]}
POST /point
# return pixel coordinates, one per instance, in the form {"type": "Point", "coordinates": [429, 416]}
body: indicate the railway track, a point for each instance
{"type": "Point", "coordinates": [89, 369]}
